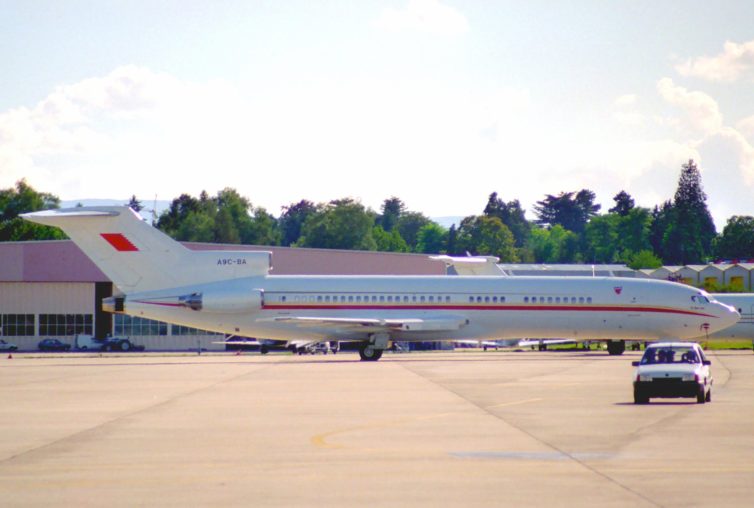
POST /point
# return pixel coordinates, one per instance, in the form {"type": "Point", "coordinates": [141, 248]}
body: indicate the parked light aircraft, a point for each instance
{"type": "Point", "coordinates": [234, 293]}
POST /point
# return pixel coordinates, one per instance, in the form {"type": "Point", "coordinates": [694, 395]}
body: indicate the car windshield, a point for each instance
{"type": "Point", "coordinates": [674, 354]}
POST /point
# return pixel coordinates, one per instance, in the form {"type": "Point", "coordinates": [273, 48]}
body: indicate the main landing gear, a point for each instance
{"type": "Point", "coordinates": [616, 347]}
{"type": "Point", "coordinates": [371, 350]}
{"type": "Point", "coordinates": [369, 353]}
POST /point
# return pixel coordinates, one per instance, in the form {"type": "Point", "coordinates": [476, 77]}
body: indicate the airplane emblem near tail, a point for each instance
{"type": "Point", "coordinates": [119, 242]}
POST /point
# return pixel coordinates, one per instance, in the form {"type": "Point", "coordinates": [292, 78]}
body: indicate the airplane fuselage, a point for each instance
{"type": "Point", "coordinates": [482, 307]}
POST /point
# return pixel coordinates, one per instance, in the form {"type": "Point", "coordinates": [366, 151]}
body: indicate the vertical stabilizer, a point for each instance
{"type": "Point", "coordinates": [137, 257]}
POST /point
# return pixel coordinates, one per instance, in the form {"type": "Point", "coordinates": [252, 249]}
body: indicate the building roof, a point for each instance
{"type": "Point", "coordinates": [63, 261]}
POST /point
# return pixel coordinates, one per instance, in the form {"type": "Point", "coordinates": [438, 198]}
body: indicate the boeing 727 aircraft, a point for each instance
{"type": "Point", "coordinates": [234, 293]}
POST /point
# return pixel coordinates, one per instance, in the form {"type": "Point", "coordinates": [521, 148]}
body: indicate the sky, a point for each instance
{"type": "Point", "coordinates": [437, 102]}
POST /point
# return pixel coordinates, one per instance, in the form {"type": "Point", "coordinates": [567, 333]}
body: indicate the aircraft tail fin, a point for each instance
{"type": "Point", "coordinates": [137, 257]}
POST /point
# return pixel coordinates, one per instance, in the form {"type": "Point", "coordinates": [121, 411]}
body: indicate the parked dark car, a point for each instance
{"type": "Point", "coordinates": [53, 345]}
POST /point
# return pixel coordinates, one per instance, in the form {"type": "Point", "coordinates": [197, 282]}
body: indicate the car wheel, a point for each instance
{"type": "Point", "coordinates": [701, 397]}
{"type": "Point", "coordinates": [640, 398]}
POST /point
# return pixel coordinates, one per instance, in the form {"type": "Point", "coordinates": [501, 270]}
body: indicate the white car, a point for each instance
{"type": "Point", "coordinates": [7, 346]}
{"type": "Point", "coordinates": [673, 369]}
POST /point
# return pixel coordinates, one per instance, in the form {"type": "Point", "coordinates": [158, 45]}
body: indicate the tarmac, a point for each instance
{"type": "Point", "coordinates": [416, 429]}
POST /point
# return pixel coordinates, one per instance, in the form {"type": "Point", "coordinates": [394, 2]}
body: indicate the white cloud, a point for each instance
{"type": "Point", "coordinates": [429, 16]}
{"type": "Point", "coordinates": [736, 61]}
{"type": "Point", "coordinates": [625, 111]}
{"type": "Point", "coordinates": [701, 110]}
{"type": "Point", "coordinates": [746, 127]}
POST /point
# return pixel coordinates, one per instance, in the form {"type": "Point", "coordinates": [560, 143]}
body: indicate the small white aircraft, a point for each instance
{"type": "Point", "coordinates": [234, 293]}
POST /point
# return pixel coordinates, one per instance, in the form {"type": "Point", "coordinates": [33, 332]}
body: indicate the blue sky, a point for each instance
{"type": "Point", "coordinates": [438, 102]}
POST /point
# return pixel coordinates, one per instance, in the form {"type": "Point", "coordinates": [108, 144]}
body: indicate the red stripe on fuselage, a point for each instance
{"type": "Point", "coordinates": [539, 308]}
{"type": "Point", "coordinates": [119, 242]}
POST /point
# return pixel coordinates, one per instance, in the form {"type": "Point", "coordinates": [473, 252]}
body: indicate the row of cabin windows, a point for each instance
{"type": "Point", "coordinates": [427, 299]}
{"type": "Point", "coordinates": [557, 299]}
{"type": "Point", "coordinates": [388, 299]}
{"type": "Point", "coordinates": [486, 299]}
{"type": "Point", "coordinates": [367, 299]}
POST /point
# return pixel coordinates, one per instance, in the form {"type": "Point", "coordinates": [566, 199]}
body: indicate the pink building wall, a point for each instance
{"type": "Point", "coordinates": [63, 261]}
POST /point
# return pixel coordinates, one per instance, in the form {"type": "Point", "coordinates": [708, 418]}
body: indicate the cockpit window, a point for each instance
{"type": "Point", "coordinates": [700, 299]}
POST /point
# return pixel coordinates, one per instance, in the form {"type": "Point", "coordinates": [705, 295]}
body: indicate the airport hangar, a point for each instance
{"type": "Point", "coordinates": [51, 289]}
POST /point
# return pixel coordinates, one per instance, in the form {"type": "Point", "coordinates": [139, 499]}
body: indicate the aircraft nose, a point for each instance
{"type": "Point", "coordinates": [728, 314]}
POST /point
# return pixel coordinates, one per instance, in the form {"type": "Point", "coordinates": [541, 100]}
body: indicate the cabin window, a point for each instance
{"type": "Point", "coordinates": [282, 298]}
{"type": "Point", "coordinates": [589, 299]}
{"type": "Point", "coordinates": [502, 299]}
{"type": "Point", "coordinates": [423, 298]}
{"type": "Point", "coordinates": [432, 299]}
{"type": "Point", "coordinates": [581, 299]}
{"type": "Point", "coordinates": [526, 299]}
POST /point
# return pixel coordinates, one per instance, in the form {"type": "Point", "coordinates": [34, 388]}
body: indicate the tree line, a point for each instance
{"type": "Point", "coordinates": [568, 228]}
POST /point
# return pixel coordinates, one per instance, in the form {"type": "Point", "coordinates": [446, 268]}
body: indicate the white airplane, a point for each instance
{"type": "Point", "coordinates": [234, 293]}
{"type": "Point", "coordinates": [744, 328]}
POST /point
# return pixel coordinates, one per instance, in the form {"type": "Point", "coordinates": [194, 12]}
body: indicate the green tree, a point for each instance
{"type": "Point", "coordinates": [601, 238]}
{"type": "Point", "coordinates": [568, 209]}
{"type": "Point", "coordinates": [23, 199]}
{"type": "Point", "coordinates": [512, 215]}
{"type": "Point", "coordinates": [225, 218]}
{"type": "Point", "coordinates": [341, 224]}
{"type": "Point", "coordinates": [293, 219]}
{"type": "Point", "coordinates": [633, 231]}
{"type": "Point", "coordinates": [488, 236]}
{"type": "Point", "coordinates": [392, 210]}
{"type": "Point", "coordinates": [690, 232]}
{"type": "Point", "coordinates": [643, 259]}
{"type": "Point", "coordinates": [134, 204]}
{"type": "Point", "coordinates": [624, 203]}
{"type": "Point", "coordinates": [554, 245]}
{"type": "Point", "coordinates": [389, 241]}
{"type": "Point", "coordinates": [737, 239]}
{"type": "Point", "coordinates": [409, 224]}
{"type": "Point", "coordinates": [432, 239]}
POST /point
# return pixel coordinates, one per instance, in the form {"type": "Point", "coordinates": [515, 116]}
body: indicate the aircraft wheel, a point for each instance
{"type": "Point", "coordinates": [369, 354]}
{"type": "Point", "coordinates": [264, 349]}
{"type": "Point", "coordinates": [616, 347]}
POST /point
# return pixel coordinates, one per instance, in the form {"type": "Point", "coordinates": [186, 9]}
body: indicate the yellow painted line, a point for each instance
{"type": "Point", "coordinates": [514, 403]}
{"type": "Point", "coordinates": [321, 440]}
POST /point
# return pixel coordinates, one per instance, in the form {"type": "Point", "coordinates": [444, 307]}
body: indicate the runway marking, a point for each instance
{"type": "Point", "coordinates": [321, 440]}
{"type": "Point", "coordinates": [514, 403]}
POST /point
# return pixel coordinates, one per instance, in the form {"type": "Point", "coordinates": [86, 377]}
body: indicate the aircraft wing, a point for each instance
{"type": "Point", "coordinates": [377, 325]}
